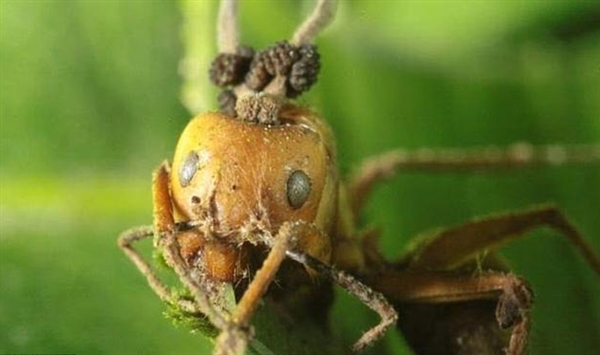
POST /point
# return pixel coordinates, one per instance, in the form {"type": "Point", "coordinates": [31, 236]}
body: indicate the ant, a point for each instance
{"type": "Point", "coordinates": [253, 196]}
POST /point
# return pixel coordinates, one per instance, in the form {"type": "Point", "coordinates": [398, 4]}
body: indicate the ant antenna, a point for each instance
{"type": "Point", "coordinates": [320, 18]}
{"type": "Point", "coordinates": [227, 28]}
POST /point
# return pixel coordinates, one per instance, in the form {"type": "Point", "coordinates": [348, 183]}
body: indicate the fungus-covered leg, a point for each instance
{"type": "Point", "coordinates": [514, 298]}
{"type": "Point", "coordinates": [443, 269]}
{"type": "Point", "coordinates": [455, 246]}
{"type": "Point", "coordinates": [125, 241]}
{"type": "Point", "coordinates": [372, 299]}
{"type": "Point", "coordinates": [234, 338]}
{"type": "Point", "coordinates": [166, 233]}
{"type": "Point", "coordinates": [519, 155]}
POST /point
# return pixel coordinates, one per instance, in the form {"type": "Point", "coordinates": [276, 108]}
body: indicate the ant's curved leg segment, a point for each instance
{"type": "Point", "coordinates": [373, 299]}
{"type": "Point", "coordinates": [419, 286]}
{"type": "Point", "coordinates": [285, 240]}
{"type": "Point", "coordinates": [162, 229]}
{"type": "Point", "coordinates": [440, 270]}
{"type": "Point", "coordinates": [166, 233]}
{"type": "Point", "coordinates": [455, 246]}
{"type": "Point", "coordinates": [234, 338]}
{"type": "Point", "coordinates": [519, 155]}
{"type": "Point", "coordinates": [126, 241]}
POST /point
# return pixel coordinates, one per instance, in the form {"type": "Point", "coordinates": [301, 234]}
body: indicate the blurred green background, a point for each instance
{"type": "Point", "coordinates": [90, 104]}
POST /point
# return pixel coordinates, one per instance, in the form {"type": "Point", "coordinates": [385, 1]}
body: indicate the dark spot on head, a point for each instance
{"type": "Point", "coordinates": [188, 169]}
{"type": "Point", "coordinates": [298, 188]}
{"type": "Point", "coordinates": [234, 187]}
{"type": "Point", "coordinates": [195, 199]}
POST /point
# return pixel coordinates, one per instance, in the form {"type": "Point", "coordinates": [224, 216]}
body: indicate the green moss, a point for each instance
{"type": "Point", "coordinates": [196, 322]}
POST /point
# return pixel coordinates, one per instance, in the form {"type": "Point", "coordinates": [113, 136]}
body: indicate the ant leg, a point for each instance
{"type": "Point", "coordinates": [518, 155]}
{"type": "Point", "coordinates": [373, 299]}
{"type": "Point", "coordinates": [125, 241]}
{"type": "Point", "coordinates": [455, 246]}
{"type": "Point", "coordinates": [431, 275]}
{"type": "Point", "coordinates": [166, 232]}
{"type": "Point", "coordinates": [420, 286]}
{"type": "Point", "coordinates": [161, 201]}
{"type": "Point", "coordinates": [235, 337]}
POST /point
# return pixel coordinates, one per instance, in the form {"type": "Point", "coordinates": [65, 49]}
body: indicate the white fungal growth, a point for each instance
{"type": "Point", "coordinates": [227, 27]}
{"type": "Point", "coordinates": [320, 18]}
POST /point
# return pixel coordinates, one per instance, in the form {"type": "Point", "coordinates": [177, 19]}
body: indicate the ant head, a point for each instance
{"type": "Point", "coordinates": [260, 178]}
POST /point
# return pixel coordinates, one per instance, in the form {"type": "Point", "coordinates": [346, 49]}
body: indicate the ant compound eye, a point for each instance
{"type": "Point", "coordinates": [298, 188]}
{"type": "Point", "coordinates": [188, 169]}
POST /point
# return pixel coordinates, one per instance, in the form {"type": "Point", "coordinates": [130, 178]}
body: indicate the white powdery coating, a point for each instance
{"type": "Point", "coordinates": [320, 18]}
{"type": "Point", "coordinates": [227, 30]}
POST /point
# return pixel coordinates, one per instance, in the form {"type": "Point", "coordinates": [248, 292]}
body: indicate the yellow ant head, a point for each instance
{"type": "Point", "coordinates": [236, 178]}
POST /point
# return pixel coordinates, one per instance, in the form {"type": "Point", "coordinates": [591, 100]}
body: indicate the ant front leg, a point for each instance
{"type": "Point", "coordinates": [372, 299]}
{"type": "Point", "coordinates": [234, 339]}
{"type": "Point", "coordinates": [281, 246]}
{"type": "Point", "coordinates": [126, 241]}
{"type": "Point", "coordinates": [166, 240]}
{"type": "Point", "coordinates": [163, 221]}
{"type": "Point", "coordinates": [164, 230]}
